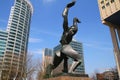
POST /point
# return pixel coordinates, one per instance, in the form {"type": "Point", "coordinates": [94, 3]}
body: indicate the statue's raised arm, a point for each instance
{"type": "Point", "coordinates": [65, 15]}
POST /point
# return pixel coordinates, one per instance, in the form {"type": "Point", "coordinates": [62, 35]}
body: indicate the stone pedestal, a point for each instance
{"type": "Point", "coordinates": [68, 78]}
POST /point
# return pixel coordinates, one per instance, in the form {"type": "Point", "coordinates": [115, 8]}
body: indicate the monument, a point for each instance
{"type": "Point", "coordinates": [110, 16]}
{"type": "Point", "coordinates": [66, 50]}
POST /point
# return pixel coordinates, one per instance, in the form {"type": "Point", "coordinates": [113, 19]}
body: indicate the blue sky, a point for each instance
{"type": "Point", "coordinates": [46, 30]}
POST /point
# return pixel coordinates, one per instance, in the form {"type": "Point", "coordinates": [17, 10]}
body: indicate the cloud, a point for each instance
{"type": "Point", "coordinates": [46, 32]}
{"type": "Point", "coordinates": [3, 24]}
{"type": "Point", "coordinates": [3, 21]}
{"type": "Point", "coordinates": [38, 51]}
{"type": "Point", "coordinates": [34, 40]}
{"type": "Point", "coordinates": [98, 45]}
{"type": "Point", "coordinates": [48, 1]}
{"type": "Point", "coordinates": [49, 33]}
{"type": "Point", "coordinates": [103, 69]}
{"type": "Point", "coordinates": [35, 52]}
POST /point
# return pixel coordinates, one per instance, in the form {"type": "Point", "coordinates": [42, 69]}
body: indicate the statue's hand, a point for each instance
{"type": "Point", "coordinates": [71, 4]}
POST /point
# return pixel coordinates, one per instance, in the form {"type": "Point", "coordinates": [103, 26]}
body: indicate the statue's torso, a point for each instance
{"type": "Point", "coordinates": [68, 35]}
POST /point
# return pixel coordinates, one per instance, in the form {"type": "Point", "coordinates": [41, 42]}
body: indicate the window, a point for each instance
{"type": "Point", "coordinates": [9, 49]}
{"type": "Point", "coordinates": [14, 25]}
{"type": "Point", "coordinates": [14, 21]}
{"type": "Point", "coordinates": [18, 35]}
{"type": "Point", "coordinates": [19, 38]}
{"type": "Point", "coordinates": [10, 45]}
{"type": "Point", "coordinates": [16, 50]}
{"type": "Point", "coordinates": [2, 49]}
{"type": "Point", "coordinates": [12, 32]}
{"type": "Point", "coordinates": [12, 29]}
{"type": "Point", "coordinates": [107, 4]}
{"type": "Point", "coordinates": [18, 41]}
{"type": "Point", "coordinates": [103, 7]}
{"type": "Point", "coordinates": [17, 47]}
{"type": "Point", "coordinates": [12, 35]}
{"type": "Point", "coordinates": [102, 2]}
{"type": "Point", "coordinates": [1, 38]}
{"type": "Point", "coordinates": [11, 39]}
{"type": "Point", "coordinates": [18, 1]}
{"type": "Point", "coordinates": [112, 1]}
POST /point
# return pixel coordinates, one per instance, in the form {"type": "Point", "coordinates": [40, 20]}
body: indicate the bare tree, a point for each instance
{"type": "Point", "coordinates": [40, 71]}
{"type": "Point", "coordinates": [115, 72]}
{"type": "Point", "coordinates": [29, 67]}
{"type": "Point", "coordinates": [94, 75]}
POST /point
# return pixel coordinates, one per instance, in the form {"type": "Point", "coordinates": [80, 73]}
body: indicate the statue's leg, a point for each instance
{"type": "Point", "coordinates": [65, 65]}
{"type": "Point", "coordinates": [67, 49]}
{"type": "Point", "coordinates": [74, 65]}
{"type": "Point", "coordinates": [56, 61]}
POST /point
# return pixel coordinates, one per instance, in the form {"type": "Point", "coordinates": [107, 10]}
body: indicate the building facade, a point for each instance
{"type": "Point", "coordinates": [110, 10]}
{"type": "Point", "coordinates": [107, 75]}
{"type": "Point", "coordinates": [47, 57]}
{"type": "Point", "coordinates": [14, 59]}
{"type": "Point", "coordinates": [110, 16]}
{"type": "Point", "coordinates": [79, 48]}
{"type": "Point", "coordinates": [3, 40]}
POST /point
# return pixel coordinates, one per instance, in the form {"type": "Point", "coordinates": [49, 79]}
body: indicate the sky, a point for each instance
{"type": "Point", "coordinates": [46, 30]}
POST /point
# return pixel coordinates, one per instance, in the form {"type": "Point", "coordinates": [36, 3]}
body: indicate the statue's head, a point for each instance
{"type": "Point", "coordinates": [76, 20]}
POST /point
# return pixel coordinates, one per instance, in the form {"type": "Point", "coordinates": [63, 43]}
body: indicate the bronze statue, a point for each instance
{"type": "Point", "coordinates": [67, 50]}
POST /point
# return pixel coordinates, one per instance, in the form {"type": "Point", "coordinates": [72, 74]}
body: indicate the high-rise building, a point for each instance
{"type": "Point", "coordinates": [3, 39]}
{"type": "Point", "coordinates": [79, 48]}
{"type": "Point", "coordinates": [110, 16]}
{"type": "Point", "coordinates": [110, 10]}
{"type": "Point", "coordinates": [47, 57]}
{"type": "Point", "coordinates": [14, 58]}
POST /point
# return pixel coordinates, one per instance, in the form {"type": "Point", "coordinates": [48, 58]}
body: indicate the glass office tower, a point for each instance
{"type": "Point", "coordinates": [3, 39]}
{"type": "Point", "coordinates": [14, 59]}
{"type": "Point", "coordinates": [79, 48]}
{"type": "Point", "coordinates": [47, 57]}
